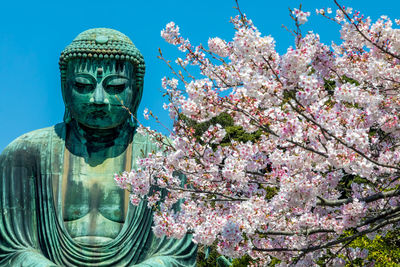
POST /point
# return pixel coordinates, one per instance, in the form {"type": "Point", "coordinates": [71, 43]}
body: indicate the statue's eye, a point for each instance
{"type": "Point", "coordinates": [83, 85]}
{"type": "Point", "coordinates": [116, 86]}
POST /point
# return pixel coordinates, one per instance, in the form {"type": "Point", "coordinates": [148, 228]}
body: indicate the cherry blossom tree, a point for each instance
{"type": "Point", "coordinates": [327, 114]}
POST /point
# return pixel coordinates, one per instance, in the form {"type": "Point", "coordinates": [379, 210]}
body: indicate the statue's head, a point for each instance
{"type": "Point", "coordinates": [99, 69]}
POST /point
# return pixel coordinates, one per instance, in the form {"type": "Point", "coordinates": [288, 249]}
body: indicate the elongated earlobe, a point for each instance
{"type": "Point", "coordinates": [67, 116]}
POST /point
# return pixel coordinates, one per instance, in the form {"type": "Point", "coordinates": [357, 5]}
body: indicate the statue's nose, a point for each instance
{"type": "Point", "coordinates": [98, 96]}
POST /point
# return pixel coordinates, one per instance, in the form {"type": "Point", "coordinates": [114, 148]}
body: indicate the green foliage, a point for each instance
{"type": "Point", "coordinates": [215, 259]}
{"type": "Point", "coordinates": [242, 262]}
{"type": "Point", "coordinates": [211, 259]}
{"type": "Point", "coordinates": [384, 251]}
{"type": "Point", "coordinates": [233, 132]}
{"type": "Point", "coordinates": [270, 191]}
{"type": "Point", "coordinates": [329, 86]}
{"type": "Point", "coordinates": [350, 80]}
{"type": "Point", "coordinates": [344, 186]}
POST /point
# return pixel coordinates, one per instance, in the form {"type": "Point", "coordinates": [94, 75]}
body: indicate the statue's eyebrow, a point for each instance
{"type": "Point", "coordinates": [116, 75]}
{"type": "Point", "coordinates": [86, 75]}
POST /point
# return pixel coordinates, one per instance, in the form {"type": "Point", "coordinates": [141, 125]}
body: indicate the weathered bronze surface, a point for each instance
{"type": "Point", "coordinates": [59, 203]}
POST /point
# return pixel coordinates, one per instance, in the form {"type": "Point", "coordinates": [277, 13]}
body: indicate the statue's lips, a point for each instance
{"type": "Point", "coordinates": [102, 111]}
{"type": "Point", "coordinates": [98, 113]}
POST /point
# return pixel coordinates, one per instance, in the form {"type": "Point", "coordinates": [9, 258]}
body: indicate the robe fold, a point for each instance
{"type": "Point", "coordinates": [32, 231]}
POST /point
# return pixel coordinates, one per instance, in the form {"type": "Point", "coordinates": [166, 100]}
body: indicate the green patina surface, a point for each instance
{"type": "Point", "coordinates": [59, 203]}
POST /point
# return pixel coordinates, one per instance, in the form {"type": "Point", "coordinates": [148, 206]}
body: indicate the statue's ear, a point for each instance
{"type": "Point", "coordinates": [67, 116]}
{"type": "Point", "coordinates": [63, 85]}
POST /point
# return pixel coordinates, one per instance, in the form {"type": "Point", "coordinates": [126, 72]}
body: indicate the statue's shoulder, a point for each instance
{"type": "Point", "coordinates": [35, 140]}
{"type": "Point", "coordinates": [142, 137]}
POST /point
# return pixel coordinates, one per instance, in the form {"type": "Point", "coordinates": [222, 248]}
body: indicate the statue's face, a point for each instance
{"type": "Point", "coordinates": [94, 90]}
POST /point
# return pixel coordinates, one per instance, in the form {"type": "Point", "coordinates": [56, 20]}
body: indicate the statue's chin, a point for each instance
{"type": "Point", "coordinates": [93, 240]}
{"type": "Point", "coordinates": [94, 125]}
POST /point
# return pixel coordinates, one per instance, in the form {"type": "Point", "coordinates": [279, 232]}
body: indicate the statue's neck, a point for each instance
{"type": "Point", "coordinates": [99, 136]}
{"type": "Point", "coordinates": [99, 139]}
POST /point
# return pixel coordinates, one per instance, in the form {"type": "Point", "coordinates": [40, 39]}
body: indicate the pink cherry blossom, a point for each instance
{"type": "Point", "coordinates": [301, 15]}
{"type": "Point", "coordinates": [324, 156]}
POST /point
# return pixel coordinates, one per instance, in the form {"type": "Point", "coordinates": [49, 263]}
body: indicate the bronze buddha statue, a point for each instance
{"type": "Point", "coordinates": [59, 203]}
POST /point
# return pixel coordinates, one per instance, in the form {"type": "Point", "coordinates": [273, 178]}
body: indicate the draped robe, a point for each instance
{"type": "Point", "coordinates": [32, 232]}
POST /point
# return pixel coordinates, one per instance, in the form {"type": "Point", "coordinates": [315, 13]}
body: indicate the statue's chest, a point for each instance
{"type": "Point", "coordinates": [92, 202]}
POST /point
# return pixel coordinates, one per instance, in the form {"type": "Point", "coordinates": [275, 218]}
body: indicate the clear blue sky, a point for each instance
{"type": "Point", "coordinates": [33, 33]}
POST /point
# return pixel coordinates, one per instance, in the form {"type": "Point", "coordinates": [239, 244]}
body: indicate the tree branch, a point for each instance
{"type": "Point", "coordinates": [386, 51]}
{"type": "Point", "coordinates": [339, 202]}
